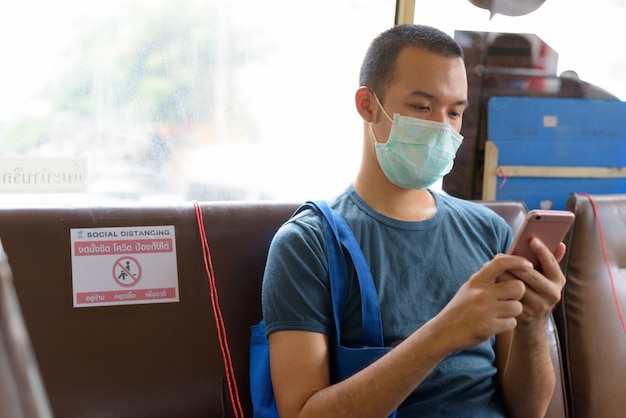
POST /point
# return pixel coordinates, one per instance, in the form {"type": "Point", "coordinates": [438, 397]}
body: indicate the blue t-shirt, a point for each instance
{"type": "Point", "coordinates": [417, 268]}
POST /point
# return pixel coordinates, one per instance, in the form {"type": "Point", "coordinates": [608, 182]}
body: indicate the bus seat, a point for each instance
{"type": "Point", "coordinates": [164, 359]}
{"type": "Point", "coordinates": [22, 393]}
{"type": "Point", "coordinates": [589, 318]}
{"type": "Point", "coordinates": [154, 360]}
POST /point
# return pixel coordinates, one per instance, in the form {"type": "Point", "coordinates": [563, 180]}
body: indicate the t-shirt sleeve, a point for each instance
{"type": "Point", "coordinates": [506, 235]}
{"type": "Point", "coordinates": [295, 293]}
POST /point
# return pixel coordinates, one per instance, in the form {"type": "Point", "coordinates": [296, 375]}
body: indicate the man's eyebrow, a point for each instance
{"type": "Point", "coordinates": [421, 93]}
{"type": "Point", "coordinates": [426, 95]}
{"type": "Point", "coordinates": [463, 103]}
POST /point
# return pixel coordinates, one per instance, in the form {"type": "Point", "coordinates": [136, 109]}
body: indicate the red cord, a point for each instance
{"type": "Point", "coordinates": [500, 173]}
{"type": "Point", "coordinates": [606, 259]}
{"type": "Point", "coordinates": [219, 320]}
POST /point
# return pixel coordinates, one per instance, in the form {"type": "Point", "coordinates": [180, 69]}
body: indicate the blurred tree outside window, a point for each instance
{"type": "Point", "coordinates": [185, 99]}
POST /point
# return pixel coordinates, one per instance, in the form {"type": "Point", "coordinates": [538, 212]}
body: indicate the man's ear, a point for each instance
{"type": "Point", "coordinates": [365, 104]}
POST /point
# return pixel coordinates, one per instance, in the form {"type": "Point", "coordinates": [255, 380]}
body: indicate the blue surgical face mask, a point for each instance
{"type": "Point", "coordinates": [418, 152]}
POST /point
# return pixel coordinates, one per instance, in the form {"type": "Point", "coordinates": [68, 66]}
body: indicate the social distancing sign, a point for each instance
{"type": "Point", "coordinates": [124, 265]}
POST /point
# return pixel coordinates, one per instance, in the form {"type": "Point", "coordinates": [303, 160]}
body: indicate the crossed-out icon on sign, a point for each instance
{"type": "Point", "coordinates": [127, 271]}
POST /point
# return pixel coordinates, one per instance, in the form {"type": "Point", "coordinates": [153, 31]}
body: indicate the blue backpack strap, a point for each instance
{"type": "Point", "coordinates": [338, 234]}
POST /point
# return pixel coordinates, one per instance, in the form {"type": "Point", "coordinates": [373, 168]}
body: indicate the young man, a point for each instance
{"type": "Point", "coordinates": [467, 322]}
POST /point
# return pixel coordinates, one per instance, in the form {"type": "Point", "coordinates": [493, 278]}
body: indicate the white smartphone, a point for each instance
{"type": "Point", "coordinates": [550, 226]}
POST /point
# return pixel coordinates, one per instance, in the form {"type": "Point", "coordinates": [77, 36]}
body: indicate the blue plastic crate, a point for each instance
{"type": "Point", "coordinates": [556, 132]}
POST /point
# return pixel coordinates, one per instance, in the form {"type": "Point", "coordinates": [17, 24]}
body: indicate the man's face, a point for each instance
{"type": "Point", "coordinates": [427, 86]}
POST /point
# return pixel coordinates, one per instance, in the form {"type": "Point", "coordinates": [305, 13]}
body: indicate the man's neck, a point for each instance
{"type": "Point", "coordinates": [393, 201]}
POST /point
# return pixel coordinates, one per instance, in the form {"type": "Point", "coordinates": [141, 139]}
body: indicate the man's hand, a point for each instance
{"type": "Point", "coordinates": [543, 288]}
{"type": "Point", "coordinates": [486, 304]}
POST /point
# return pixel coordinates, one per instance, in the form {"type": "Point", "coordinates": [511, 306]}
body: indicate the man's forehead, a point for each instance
{"type": "Point", "coordinates": [429, 75]}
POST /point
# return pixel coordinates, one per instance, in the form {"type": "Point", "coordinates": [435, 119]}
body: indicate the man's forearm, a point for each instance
{"type": "Point", "coordinates": [529, 380]}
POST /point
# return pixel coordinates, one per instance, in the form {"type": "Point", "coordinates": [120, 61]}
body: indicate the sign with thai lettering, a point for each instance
{"type": "Point", "coordinates": [40, 175]}
{"type": "Point", "coordinates": [124, 265]}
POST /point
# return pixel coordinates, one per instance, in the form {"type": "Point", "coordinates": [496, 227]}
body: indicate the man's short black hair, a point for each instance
{"type": "Point", "coordinates": [378, 66]}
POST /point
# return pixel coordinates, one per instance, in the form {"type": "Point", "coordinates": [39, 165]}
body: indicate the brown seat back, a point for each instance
{"type": "Point", "coordinates": [157, 360]}
{"type": "Point", "coordinates": [592, 333]}
{"type": "Point", "coordinates": [153, 360]}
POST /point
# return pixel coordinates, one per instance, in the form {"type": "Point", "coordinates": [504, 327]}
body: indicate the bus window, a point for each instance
{"type": "Point", "coordinates": [170, 100]}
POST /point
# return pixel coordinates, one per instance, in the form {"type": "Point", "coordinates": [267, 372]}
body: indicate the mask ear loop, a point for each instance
{"type": "Point", "coordinates": [376, 141]}
{"type": "Point", "coordinates": [381, 107]}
